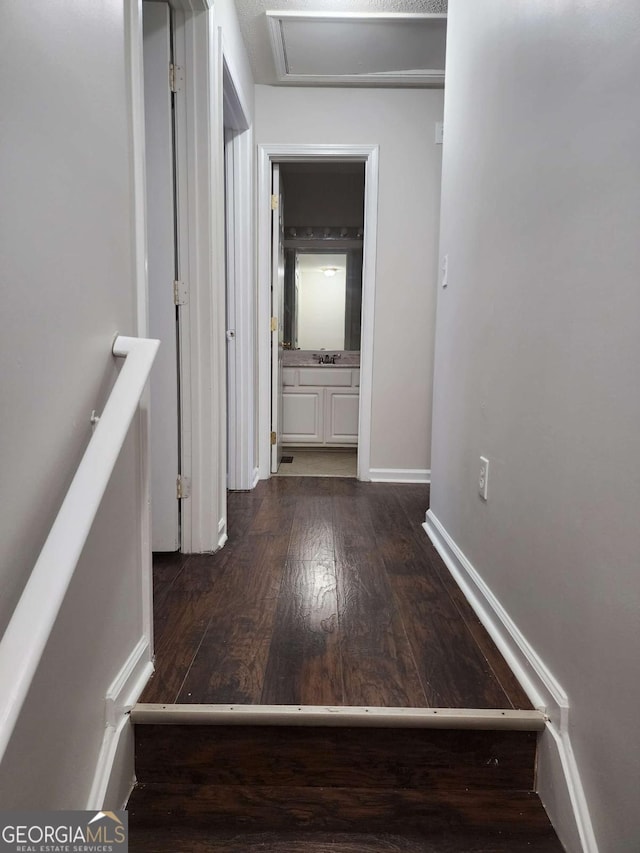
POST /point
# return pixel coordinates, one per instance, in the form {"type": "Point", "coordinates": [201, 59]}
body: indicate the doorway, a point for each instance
{"type": "Point", "coordinates": [324, 386]}
{"type": "Point", "coordinates": [323, 219]}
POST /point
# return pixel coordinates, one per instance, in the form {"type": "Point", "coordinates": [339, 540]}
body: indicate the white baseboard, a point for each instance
{"type": "Point", "coordinates": [222, 533]}
{"type": "Point", "coordinates": [558, 778]}
{"type": "Point", "coordinates": [114, 775]}
{"type": "Point", "coordinates": [400, 475]}
{"type": "Point", "coordinates": [256, 477]}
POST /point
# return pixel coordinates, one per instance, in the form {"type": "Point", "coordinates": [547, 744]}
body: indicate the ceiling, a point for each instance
{"type": "Point", "coordinates": [316, 51]}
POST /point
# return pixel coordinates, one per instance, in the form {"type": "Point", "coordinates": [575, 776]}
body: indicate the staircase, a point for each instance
{"type": "Point", "coordinates": [340, 788]}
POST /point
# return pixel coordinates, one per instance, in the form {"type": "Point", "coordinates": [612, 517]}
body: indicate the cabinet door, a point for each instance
{"type": "Point", "coordinates": [303, 416]}
{"type": "Point", "coordinates": [341, 416]}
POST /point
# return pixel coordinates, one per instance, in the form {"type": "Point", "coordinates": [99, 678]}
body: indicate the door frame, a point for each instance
{"type": "Point", "coordinates": [158, 38]}
{"type": "Point", "coordinates": [241, 467]}
{"type": "Point", "coordinates": [199, 200]}
{"type": "Point", "coordinates": [297, 153]}
{"type": "Point", "coordinates": [200, 208]}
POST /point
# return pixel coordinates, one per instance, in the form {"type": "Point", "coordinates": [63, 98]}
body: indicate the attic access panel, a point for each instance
{"type": "Point", "coordinates": [358, 48]}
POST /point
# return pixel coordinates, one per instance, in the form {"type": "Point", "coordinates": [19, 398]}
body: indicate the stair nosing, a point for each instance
{"type": "Point", "coordinates": [324, 715]}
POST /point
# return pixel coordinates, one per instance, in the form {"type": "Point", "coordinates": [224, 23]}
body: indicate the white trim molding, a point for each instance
{"type": "Point", "coordinates": [193, 5]}
{"type": "Point", "coordinates": [298, 153]}
{"type": "Point", "coordinates": [240, 284]}
{"type": "Point", "coordinates": [400, 475]}
{"type": "Point", "coordinates": [200, 206]}
{"type": "Point", "coordinates": [114, 775]}
{"type": "Point", "coordinates": [558, 777]}
{"type": "Point", "coordinates": [135, 64]}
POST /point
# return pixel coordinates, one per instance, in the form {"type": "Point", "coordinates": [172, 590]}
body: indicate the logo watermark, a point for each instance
{"type": "Point", "coordinates": [64, 832]}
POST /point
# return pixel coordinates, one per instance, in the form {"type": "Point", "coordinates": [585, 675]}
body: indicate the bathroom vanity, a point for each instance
{"type": "Point", "coordinates": [320, 401]}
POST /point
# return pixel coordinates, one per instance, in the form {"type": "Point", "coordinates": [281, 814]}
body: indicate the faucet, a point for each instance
{"type": "Point", "coordinates": [326, 358]}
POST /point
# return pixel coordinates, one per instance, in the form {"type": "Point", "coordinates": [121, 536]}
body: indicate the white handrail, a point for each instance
{"type": "Point", "coordinates": [28, 631]}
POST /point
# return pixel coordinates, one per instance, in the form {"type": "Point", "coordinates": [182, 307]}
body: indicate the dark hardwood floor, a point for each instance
{"type": "Point", "coordinates": [327, 592]}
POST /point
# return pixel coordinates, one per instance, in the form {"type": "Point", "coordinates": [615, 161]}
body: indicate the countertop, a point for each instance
{"type": "Point", "coordinates": [304, 358]}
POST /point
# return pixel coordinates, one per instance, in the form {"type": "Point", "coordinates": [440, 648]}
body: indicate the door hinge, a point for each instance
{"type": "Point", "coordinates": [173, 83]}
{"type": "Point", "coordinates": [183, 488]}
{"type": "Point", "coordinates": [274, 202]}
{"type": "Point", "coordinates": [274, 438]}
{"type": "Point", "coordinates": [180, 292]}
{"type": "Point", "coordinates": [274, 324]}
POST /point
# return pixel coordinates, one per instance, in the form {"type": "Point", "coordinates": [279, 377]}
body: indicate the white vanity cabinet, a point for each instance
{"type": "Point", "coordinates": [320, 406]}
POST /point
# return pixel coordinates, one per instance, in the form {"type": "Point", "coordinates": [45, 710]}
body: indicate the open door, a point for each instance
{"type": "Point", "coordinates": [277, 314]}
{"type": "Point", "coordinates": [165, 533]}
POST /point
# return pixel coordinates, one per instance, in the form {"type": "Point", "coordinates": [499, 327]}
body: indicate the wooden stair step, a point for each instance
{"type": "Point", "coordinates": [342, 842]}
{"type": "Point", "coordinates": [385, 758]}
{"type": "Point", "coordinates": [201, 818]}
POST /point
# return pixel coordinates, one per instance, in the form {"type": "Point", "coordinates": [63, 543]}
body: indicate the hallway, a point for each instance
{"type": "Point", "coordinates": [327, 592]}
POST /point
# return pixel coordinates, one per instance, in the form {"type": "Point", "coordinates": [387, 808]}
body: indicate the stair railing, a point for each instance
{"type": "Point", "coordinates": [33, 619]}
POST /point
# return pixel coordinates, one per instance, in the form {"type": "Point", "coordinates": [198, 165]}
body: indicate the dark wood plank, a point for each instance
{"type": "Point", "coordinates": [230, 662]}
{"type": "Point", "coordinates": [377, 662]}
{"type": "Point", "coordinates": [304, 665]}
{"type": "Point", "coordinates": [516, 814]}
{"type": "Point", "coordinates": [398, 539]}
{"type": "Point", "coordinates": [516, 696]}
{"type": "Point", "coordinates": [435, 760]}
{"type": "Point", "coordinates": [167, 567]}
{"type": "Point", "coordinates": [181, 619]}
{"type": "Point", "coordinates": [453, 671]}
{"type": "Point", "coordinates": [352, 524]}
{"type": "Point", "coordinates": [312, 528]}
{"type": "Point", "coordinates": [274, 515]}
{"type": "Point", "coordinates": [414, 500]}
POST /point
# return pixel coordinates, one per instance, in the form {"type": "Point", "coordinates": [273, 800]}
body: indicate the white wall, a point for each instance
{"type": "Point", "coordinates": [402, 123]}
{"type": "Point", "coordinates": [235, 53]}
{"type": "Point", "coordinates": [538, 350]}
{"type": "Point", "coordinates": [67, 287]}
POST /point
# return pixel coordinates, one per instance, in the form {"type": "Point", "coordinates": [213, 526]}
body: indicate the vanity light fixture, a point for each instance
{"type": "Point", "coordinates": [329, 271]}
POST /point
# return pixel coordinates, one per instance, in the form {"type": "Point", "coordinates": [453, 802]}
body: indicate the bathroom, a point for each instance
{"type": "Point", "coordinates": [323, 227]}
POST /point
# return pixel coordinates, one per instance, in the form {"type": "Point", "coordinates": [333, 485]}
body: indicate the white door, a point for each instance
{"type": "Point", "coordinates": [277, 314]}
{"type": "Point", "coordinates": [162, 272]}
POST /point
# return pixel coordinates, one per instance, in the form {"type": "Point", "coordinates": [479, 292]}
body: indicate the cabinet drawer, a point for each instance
{"type": "Point", "coordinates": [324, 376]}
{"type": "Point", "coordinates": [288, 376]}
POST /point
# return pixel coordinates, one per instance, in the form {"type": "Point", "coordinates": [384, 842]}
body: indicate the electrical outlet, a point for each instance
{"type": "Point", "coordinates": [445, 271]}
{"type": "Point", "coordinates": [483, 479]}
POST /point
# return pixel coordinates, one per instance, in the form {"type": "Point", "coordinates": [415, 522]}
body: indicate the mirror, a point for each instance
{"type": "Point", "coordinates": [322, 299]}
